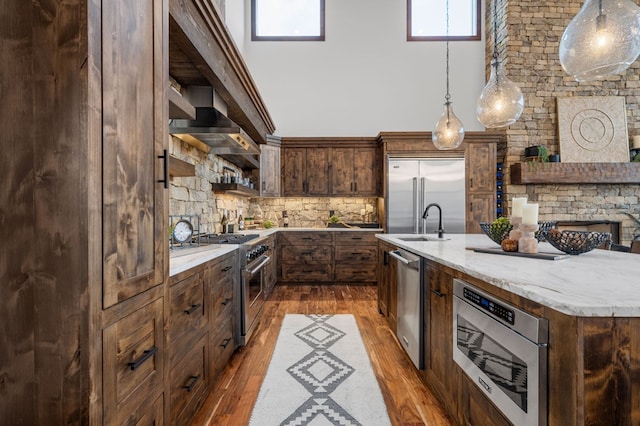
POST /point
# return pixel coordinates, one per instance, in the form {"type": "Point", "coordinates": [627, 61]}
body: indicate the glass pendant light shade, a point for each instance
{"type": "Point", "coordinates": [501, 102]}
{"type": "Point", "coordinates": [449, 132]}
{"type": "Point", "coordinates": [602, 39]}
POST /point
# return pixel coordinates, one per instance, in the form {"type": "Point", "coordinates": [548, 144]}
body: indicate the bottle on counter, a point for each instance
{"type": "Point", "coordinates": [224, 222]}
{"type": "Point", "coordinates": [285, 219]}
{"type": "Point", "coordinates": [240, 222]}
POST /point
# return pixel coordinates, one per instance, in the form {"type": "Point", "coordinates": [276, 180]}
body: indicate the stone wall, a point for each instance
{"type": "Point", "coordinates": [310, 212]}
{"type": "Point", "coordinates": [529, 40]}
{"type": "Point", "coordinates": [193, 196]}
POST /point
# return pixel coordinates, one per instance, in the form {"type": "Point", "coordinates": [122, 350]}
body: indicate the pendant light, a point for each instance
{"type": "Point", "coordinates": [449, 132]}
{"type": "Point", "coordinates": [602, 39]}
{"type": "Point", "coordinates": [501, 102]}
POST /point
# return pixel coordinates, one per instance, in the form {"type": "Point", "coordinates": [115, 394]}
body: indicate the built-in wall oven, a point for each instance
{"type": "Point", "coordinates": [503, 350]}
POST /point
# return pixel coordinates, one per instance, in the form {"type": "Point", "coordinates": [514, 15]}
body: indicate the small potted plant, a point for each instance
{"type": "Point", "coordinates": [536, 154]}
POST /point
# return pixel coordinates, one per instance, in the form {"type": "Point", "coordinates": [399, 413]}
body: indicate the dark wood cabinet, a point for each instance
{"type": "Point", "coordinates": [331, 167]}
{"type": "Point", "coordinates": [271, 270]}
{"type": "Point", "coordinates": [327, 256]}
{"type": "Point", "coordinates": [134, 76]}
{"type": "Point", "coordinates": [476, 408]}
{"type": "Point", "coordinates": [270, 170]}
{"type": "Point", "coordinates": [355, 171]}
{"type": "Point", "coordinates": [355, 257]}
{"type": "Point", "coordinates": [481, 184]}
{"type": "Point", "coordinates": [305, 172]}
{"type": "Point", "coordinates": [440, 369]}
{"type": "Point", "coordinates": [388, 283]}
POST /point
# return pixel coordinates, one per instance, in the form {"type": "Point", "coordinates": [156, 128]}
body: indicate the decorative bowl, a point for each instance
{"type": "Point", "coordinates": [543, 227]}
{"type": "Point", "coordinates": [576, 242]}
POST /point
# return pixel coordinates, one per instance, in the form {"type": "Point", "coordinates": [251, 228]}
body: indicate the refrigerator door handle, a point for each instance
{"type": "Point", "coordinates": [416, 207]}
{"type": "Point", "coordinates": [423, 203]}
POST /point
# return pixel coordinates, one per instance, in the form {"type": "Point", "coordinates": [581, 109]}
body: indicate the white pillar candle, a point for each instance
{"type": "Point", "coordinates": [636, 142]}
{"type": "Point", "coordinates": [530, 214]}
{"type": "Point", "coordinates": [516, 206]}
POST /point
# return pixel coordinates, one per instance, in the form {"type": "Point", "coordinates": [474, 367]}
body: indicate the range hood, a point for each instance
{"type": "Point", "coordinates": [214, 129]}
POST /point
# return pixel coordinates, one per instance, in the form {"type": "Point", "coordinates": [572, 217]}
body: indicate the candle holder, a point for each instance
{"type": "Point", "coordinates": [528, 242]}
{"type": "Point", "coordinates": [515, 234]}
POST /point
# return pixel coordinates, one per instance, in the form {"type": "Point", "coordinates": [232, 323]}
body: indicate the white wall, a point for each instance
{"type": "Point", "coordinates": [365, 78]}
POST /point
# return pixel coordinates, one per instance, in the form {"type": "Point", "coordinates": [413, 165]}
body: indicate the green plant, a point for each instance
{"type": "Point", "coordinates": [267, 224]}
{"type": "Point", "coordinates": [334, 219]}
{"type": "Point", "coordinates": [636, 158]}
{"type": "Point", "coordinates": [543, 154]}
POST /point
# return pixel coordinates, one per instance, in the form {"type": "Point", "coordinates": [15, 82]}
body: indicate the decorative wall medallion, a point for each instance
{"type": "Point", "coordinates": [593, 129]}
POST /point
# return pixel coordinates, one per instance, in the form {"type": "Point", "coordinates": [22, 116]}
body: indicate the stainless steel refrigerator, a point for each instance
{"type": "Point", "coordinates": [414, 183]}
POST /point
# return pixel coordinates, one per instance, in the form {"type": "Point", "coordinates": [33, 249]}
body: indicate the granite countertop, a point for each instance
{"type": "Point", "coordinates": [599, 283]}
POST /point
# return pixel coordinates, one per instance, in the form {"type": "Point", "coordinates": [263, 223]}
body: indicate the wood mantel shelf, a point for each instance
{"type": "Point", "coordinates": [180, 168]}
{"type": "Point", "coordinates": [559, 173]}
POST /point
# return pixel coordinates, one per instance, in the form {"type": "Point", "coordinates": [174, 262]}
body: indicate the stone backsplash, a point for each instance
{"type": "Point", "coordinates": [529, 34]}
{"type": "Point", "coordinates": [193, 196]}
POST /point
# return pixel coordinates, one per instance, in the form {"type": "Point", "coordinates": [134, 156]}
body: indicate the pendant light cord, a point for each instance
{"type": "Point", "coordinates": [447, 96]}
{"type": "Point", "coordinates": [495, 62]}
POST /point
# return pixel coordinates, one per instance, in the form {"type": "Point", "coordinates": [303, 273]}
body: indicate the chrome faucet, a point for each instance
{"type": "Point", "coordinates": [426, 214]}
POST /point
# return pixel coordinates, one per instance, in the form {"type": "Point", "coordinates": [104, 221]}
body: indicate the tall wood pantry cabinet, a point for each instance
{"type": "Point", "coordinates": [85, 260]}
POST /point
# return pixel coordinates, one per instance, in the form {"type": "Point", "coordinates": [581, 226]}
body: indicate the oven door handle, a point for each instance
{"type": "Point", "coordinates": [263, 262]}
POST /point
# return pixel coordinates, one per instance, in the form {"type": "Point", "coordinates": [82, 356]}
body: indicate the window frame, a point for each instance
{"type": "Point", "coordinates": [477, 36]}
{"type": "Point", "coordinates": [255, 37]}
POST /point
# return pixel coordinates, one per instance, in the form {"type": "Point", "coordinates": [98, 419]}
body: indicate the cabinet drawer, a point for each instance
{"type": "Point", "coordinates": [222, 346]}
{"type": "Point", "coordinates": [357, 254]}
{"type": "Point", "coordinates": [146, 414]}
{"type": "Point", "coordinates": [133, 361]}
{"type": "Point", "coordinates": [225, 266]}
{"type": "Point", "coordinates": [222, 296]}
{"type": "Point", "coordinates": [356, 273]}
{"type": "Point", "coordinates": [305, 238]}
{"type": "Point", "coordinates": [189, 309]}
{"type": "Point", "coordinates": [321, 272]}
{"type": "Point", "coordinates": [306, 254]}
{"type": "Point", "coordinates": [355, 238]}
{"type": "Point", "coordinates": [189, 383]}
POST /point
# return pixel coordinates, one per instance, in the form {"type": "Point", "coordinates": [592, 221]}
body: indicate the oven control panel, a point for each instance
{"type": "Point", "coordinates": [255, 252]}
{"type": "Point", "coordinates": [489, 305]}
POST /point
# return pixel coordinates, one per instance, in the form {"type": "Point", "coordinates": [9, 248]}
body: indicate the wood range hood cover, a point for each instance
{"type": "Point", "coordinates": [203, 53]}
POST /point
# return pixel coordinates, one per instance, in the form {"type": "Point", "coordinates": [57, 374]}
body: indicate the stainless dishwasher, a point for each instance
{"type": "Point", "coordinates": [410, 304]}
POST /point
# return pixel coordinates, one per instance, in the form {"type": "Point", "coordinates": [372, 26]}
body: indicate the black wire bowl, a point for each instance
{"type": "Point", "coordinates": [577, 242]}
{"type": "Point", "coordinates": [543, 228]}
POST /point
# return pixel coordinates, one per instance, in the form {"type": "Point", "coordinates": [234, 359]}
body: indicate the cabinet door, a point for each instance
{"type": "Point", "coordinates": [294, 171]}
{"type": "Point", "coordinates": [439, 364]}
{"type": "Point", "coordinates": [317, 167]}
{"type": "Point", "coordinates": [480, 208]}
{"type": "Point", "coordinates": [342, 171]}
{"type": "Point", "coordinates": [270, 171]}
{"type": "Point", "coordinates": [365, 161]}
{"type": "Point", "coordinates": [134, 118]}
{"type": "Point", "coordinates": [481, 167]}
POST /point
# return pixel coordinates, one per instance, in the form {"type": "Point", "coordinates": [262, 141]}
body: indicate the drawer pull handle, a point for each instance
{"type": "Point", "coordinates": [192, 309]}
{"type": "Point", "coordinates": [194, 380]}
{"type": "Point", "coordinates": [306, 253]}
{"type": "Point", "coordinates": [356, 238]}
{"type": "Point", "coordinates": [225, 301]}
{"type": "Point", "coordinates": [437, 293]}
{"type": "Point", "coordinates": [356, 253]}
{"type": "Point", "coordinates": [226, 342]}
{"type": "Point", "coordinates": [227, 268]}
{"type": "Point", "coordinates": [165, 174]}
{"type": "Point", "coordinates": [146, 355]}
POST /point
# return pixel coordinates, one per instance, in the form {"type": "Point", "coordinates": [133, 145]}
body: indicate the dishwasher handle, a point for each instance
{"type": "Point", "coordinates": [413, 264]}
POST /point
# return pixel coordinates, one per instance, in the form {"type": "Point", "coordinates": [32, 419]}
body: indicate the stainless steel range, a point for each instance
{"type": "Point", "coordinates": [250, 293]}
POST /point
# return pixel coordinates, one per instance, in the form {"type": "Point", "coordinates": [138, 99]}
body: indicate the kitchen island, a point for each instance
{"type": "Point", "coordinates": [593, 314]}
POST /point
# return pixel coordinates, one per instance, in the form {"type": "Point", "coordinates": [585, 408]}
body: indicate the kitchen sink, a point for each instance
{"type": "Point", "coordinates": [421, 238]}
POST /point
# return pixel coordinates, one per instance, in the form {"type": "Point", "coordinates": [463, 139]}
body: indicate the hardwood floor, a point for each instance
{"type": "Point", "coordinates": [408, 400]}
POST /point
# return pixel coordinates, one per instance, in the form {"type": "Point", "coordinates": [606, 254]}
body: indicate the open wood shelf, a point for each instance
{"type": "Point", "coordinates": [559, 173]}
{"type": "Point", "coordinates": [180, 168]}
{"type": "Point", "coordinates": [180, 107]}
{"type": "Point", "coordinates": [234, 188]}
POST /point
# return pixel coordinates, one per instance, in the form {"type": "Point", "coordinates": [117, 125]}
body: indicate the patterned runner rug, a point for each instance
{"type": "Point", "coordinates": [320, 374]}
